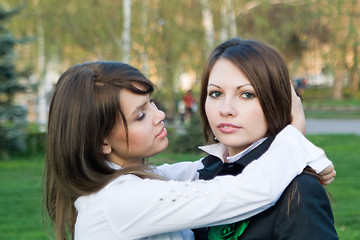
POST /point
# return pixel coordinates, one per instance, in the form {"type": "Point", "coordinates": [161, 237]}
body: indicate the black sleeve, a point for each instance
{"type": "Point", "coordinates": [310, 215]}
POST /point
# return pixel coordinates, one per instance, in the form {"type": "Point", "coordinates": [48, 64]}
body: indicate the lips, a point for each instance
{"type": "Point", "coordinates": [162, 133]}
{"type": "Point", "coordinates": [227, 127]}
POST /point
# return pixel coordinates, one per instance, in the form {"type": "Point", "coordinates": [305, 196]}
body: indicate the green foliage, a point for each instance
{"type": "Point", "coordinates": [167, 41]}
{"type": "Point", "coordinates": [12, 136]}
{"type": "Point", "coordinates": [12, 117]}
{"type": "Point", "coordinates": [35, 140]}
{"type": "Point", "coordinates": [190, 139]}
{"type": "Point", "coordinates": [318, 103]}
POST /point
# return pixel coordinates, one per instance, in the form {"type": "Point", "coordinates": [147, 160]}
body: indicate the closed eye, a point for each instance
{"type": "Point", "coordinates": [141, 116]}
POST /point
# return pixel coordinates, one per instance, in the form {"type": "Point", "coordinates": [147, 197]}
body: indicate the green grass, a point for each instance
{"type": "Point", "coordinates": [20, 189]}
{"type": "Point", "coordinates": [20, 199]}
{"type": "Point", "coordinates": [344, 151]}
{"type": "Point", "coordinates": [331, 114]}
{"type": "Point", "coordinates": [318, 103]}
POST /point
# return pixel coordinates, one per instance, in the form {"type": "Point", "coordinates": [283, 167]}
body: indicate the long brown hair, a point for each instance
{"type": "Point", "coordinates": [267, 71]}
{"type": "Point", "coordinates": [84, 109]}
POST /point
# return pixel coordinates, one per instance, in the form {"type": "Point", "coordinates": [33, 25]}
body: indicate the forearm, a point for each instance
{"type": "Point", "coordinates": [181, 171]}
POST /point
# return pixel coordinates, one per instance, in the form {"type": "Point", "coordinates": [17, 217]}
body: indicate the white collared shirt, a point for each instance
{"type": "Point", "coordinates": [220, 150]}
{"type": "Point", "coordinates": [134, 208]}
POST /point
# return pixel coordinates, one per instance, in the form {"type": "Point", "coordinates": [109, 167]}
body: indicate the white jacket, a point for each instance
{"type": "Point", "coordinates": [134, 208]}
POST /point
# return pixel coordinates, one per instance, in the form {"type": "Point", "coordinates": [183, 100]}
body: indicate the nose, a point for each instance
{"type": "Point", "coordinates": [227, 108]}
{"type": "Point", "coordinates": [159, 116]}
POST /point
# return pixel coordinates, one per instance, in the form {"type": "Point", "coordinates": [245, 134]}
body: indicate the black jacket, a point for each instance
{"type": "Point", "coordinates": [309, 216]}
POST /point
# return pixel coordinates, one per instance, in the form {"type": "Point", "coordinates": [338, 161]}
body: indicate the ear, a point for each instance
{"type": "Point", "coordinates": [106, 147]}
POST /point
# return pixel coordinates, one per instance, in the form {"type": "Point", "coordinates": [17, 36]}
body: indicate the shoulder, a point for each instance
{"type": "Point", "coordinates": [309, 215]}
{"type": "Point", "coordinates": [310, 197]}
{"type": "Point", "coordinates": [308, 185]}
{"type": "Point", "coordinates": [303, 196]}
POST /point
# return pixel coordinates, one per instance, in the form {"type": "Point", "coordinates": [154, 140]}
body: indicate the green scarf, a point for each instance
{"type": "Point", "coordinates": [228, 231]}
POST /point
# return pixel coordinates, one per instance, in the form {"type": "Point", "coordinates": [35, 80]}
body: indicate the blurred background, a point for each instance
{"type": "Point", "coordinates": [169, 41]}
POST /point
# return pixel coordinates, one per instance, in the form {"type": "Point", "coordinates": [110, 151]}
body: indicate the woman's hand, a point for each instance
{"type": "Point", "coordinates": [327, 175]}
{"type": "Point", "coordinates": [297, 112]}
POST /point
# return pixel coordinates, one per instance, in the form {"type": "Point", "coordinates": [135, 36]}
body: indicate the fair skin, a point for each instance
{"type": "Point", "coordinates": [235, 114]}
{"type": "Point", "coordinates": [233, 109]}
{"type": "Point", "coordinates": [147, 134]}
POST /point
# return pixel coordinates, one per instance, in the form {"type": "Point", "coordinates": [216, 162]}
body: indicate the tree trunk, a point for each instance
{"type": "Point", "coordinates": [42, 101]}
{"type": "Point", "coordinates": [354, 36]}
{"type": "Point", "coordinates": [208, 23]}
{"type": "Point", "coordinates": [232, 19]}
{"type": "Point", "coordinates": [355, 83]}
{"type": "Point", "coordinates": [338, 85]}
{"type": "Point", "coordinates": [144, 30]}
{"type": "Point", "coordinates": [228, 29]}
{"type": "Point", "coordinates": [126, 33]}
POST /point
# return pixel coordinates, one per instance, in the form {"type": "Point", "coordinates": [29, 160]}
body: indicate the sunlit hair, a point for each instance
{"type": "Point", "coordinates": [84, 109]}
{"type": "Point", "coordinates": [266, 70]}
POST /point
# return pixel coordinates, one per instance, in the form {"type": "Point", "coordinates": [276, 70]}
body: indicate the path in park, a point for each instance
{"type": "Point", "coordinates": [329, 126]}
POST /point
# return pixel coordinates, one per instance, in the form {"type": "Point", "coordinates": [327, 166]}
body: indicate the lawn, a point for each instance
{"type": "Point", "coordinates": [20, 189]}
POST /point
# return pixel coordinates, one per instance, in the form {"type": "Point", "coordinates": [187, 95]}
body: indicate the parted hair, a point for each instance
{"type": "Point", "coordinates": [266, 70]}
{"type": "Point", "coordinates": [84, 109]}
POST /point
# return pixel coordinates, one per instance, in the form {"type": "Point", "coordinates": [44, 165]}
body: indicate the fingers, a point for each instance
{"type": "Point", "coordinates": [327, 176]}
{"type": "Point", "coordinates": [327, 182]}
{"type": "Point", "coordinates": [329, 170]}
{"type": "Point", "coordinates": [297, 112]}
{"type": "Point", "coordinates": [297, 104]}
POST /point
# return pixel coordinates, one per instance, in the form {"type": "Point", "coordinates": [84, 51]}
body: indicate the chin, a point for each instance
{"type": "Point", "coordinates": [232, 140]}
{"type": "Point", "coordinates": [163, 146]}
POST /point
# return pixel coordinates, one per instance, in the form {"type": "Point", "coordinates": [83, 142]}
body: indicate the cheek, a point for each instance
{"type": "Point", "coordinates": [137, 137]}
{"type": "Point", "coordinates": [210, 111]}
{"type": "Point", "coordinates": [255, 115]}
{"type": "Point", "coordinates": [118, 134]}
{"type": "Point", "coordinates": [260, 122]}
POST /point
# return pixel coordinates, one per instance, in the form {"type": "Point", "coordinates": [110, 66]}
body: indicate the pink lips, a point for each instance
{"type": "Point", "coordinates": [162, 133]}
{"type": "Point", "coordinates": [228, 127]}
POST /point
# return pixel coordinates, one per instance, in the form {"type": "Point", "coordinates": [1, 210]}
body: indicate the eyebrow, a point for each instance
{"type": "Point", "coordinates": [138, 108]}
{"type": "Point", "coordinates": [238, 87]}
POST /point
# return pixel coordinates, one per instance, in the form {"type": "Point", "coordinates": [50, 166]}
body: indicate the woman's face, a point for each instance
{"type": "Point", "coordinates": [233, 108]}
{"type": "Point", "coordinates": [147, 134]}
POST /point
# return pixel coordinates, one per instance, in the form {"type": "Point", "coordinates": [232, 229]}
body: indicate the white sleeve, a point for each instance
{"type": "Point", "coordinates": [138, 208]}
{"type": "Point", "coordinates": [181, 171]}
{"type": "Point", "coordinates": [295, 138]}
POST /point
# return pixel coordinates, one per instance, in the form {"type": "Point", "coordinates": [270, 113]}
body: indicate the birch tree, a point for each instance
{"type": "Point", "coordinates": [208, 24]}
{"type": "Point", "coordinates": [42, 83]}
{"type": "Point", "coordinates": [126, 32]}
{"type": "Point", "coordinates": [228, 20]}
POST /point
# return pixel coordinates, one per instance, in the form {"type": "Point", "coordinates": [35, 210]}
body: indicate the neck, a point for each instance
{"type": "Point", "coordinates": [128, 162]}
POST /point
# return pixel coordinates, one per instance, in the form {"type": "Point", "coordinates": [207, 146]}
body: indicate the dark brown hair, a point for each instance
{"type": "Point", "coordinates": [266, 70]}
{"type": "Point", "coordinates": [84, 109]}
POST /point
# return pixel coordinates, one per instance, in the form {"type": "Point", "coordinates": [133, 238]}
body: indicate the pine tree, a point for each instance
{"type": "Point", "coordinates": [12, 116]}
